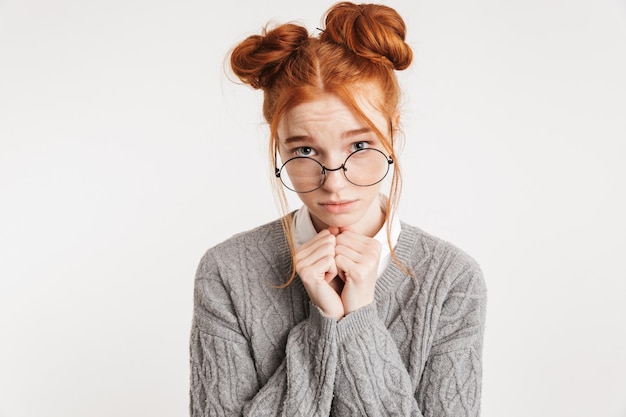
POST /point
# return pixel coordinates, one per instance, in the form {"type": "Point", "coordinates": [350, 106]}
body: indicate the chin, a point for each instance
{"type": "Point", "coordinates": [339, 220]}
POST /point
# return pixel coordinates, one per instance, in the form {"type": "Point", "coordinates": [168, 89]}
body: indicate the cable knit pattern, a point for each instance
{"type": "Point", "coordinates": [257, 350]}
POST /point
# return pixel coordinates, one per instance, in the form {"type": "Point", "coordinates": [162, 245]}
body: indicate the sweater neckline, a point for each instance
{"type": "Point", "coordinates": [404, 250]}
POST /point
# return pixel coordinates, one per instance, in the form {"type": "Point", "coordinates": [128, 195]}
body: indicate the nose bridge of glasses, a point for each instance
{"type": "Point", "coordinates": [336, 181]}
{"type": "Point", "coordinates": [325, 169]}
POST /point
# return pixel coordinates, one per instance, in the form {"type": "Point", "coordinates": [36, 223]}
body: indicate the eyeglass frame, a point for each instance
{"type": "Point", "coordinates": [278, 171]}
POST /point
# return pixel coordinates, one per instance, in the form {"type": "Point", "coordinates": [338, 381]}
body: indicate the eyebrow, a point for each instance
{"type": "Point", "coordinates": [344, 135]}
{"type": "Point", "coordinates": [293, 139]}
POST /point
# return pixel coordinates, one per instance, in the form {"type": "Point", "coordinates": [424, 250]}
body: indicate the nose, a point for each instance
{"type": "Point", "coordinates": [334, 179]}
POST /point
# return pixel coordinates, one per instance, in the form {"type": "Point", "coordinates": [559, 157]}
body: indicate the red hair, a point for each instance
{"type": "Point", "coordinates": [360, 46]}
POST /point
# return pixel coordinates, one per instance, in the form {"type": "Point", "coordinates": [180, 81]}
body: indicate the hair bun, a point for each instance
{"type": "Point", "coordinates": [259, 58]}
{"type": "Point", "coordinates": [373, 31]}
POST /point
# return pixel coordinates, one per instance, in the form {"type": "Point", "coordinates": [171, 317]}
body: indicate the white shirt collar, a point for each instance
{"type": "Point", "coordinates": [303, 231]}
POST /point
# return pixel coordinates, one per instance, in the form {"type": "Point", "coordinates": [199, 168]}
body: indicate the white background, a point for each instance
{"type": "Point", "coordinates": [125, 152]}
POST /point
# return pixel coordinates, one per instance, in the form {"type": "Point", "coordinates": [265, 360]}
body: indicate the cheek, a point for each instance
{"type": "Point", "coordinates": [307, 199]}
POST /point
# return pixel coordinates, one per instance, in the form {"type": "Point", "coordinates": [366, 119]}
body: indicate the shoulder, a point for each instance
{"type": "Point", "coordinates": [264, 245]}
{"type": "Point", "coordinates": [430, 245]}
{"type": "Point", "coordinates": [266, 233]}
{"type": "Point", "coordinates": [439, 258]}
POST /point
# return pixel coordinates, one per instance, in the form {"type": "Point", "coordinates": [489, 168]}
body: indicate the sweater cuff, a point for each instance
{"type": "Point", "coordinates": [357, 323]}
{"type": "Point", "coordinates": [318, 320]}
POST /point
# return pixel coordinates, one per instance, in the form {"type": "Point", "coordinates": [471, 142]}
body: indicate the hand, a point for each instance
{"type": "Point", "coordinates": [357, 257]}
{"type": "Point", "coordinates": [315, 264]}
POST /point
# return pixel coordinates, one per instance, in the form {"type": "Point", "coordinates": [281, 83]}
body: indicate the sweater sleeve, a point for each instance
{"type": "Point", "coordinates": [371, 377]}
{"type": "Point", "coordinates": [224, 381]}
{"type": "Point", "coordinates": [372, 380]}
{"type": "Point", "coordinates": [452, 377]}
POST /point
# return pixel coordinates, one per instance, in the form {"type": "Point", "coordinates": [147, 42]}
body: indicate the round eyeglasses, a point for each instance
{"type": "Point", "coordinates": [363, 168]}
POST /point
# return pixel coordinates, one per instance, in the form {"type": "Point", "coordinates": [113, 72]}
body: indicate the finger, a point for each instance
{"type": "Point", "coordinates": [358, 252]}
{"type": "Point", "coordinates": [322, 255]}
{"type": "Point", "coordinates": [320, 244]}
{"type": "Point", "coordinates": [315, 261]}
{"type": "Point", "coordinates": [334, 230]}
{"type": "Point", "coordinates": [353, 264]}
{"type": "Point", "coordinates": [349, 253]}
{"type": "Point", "coordinates": [350, 236]}
{"type": "Point", "coordinates": [315, 240]}
{"type": "Point", "coordinates": [357, 248]}
{"type": "Point", "coordinates": [346, 267]}
{"type": "Point", "coordinates": [340, 273]}
{"type": "Point", "coordinates": [331, 271]}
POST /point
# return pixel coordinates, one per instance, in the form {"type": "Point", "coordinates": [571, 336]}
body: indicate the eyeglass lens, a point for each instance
{"type": "Point", "coordinates": [363, 168]}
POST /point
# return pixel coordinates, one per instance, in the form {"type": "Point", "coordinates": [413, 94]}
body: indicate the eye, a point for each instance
{"type": "Point", "coordinates": [357, 146]}
{"type": "Point", "coordinates": [304, 151]}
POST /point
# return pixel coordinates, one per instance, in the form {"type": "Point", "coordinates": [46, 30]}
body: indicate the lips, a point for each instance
{"type": "Point", "coordinates": [338, 207]}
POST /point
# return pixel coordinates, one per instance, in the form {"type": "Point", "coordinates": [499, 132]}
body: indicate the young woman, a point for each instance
{"type": "Point", "coordinates": [338, 308]}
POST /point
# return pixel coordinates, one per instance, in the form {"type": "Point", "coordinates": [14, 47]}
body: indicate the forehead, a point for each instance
{"type": "Point", "coordinates": [329, 113]}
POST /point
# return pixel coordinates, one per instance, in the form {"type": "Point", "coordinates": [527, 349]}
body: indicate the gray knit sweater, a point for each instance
{"type": "Point", "coordinates": [257, 350]}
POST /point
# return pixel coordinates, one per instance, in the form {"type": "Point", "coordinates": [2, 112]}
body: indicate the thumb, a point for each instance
{"type": "Point", "coordinates": [331, 273]}
{"type": "Point", "coordinates": [342, 275]}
